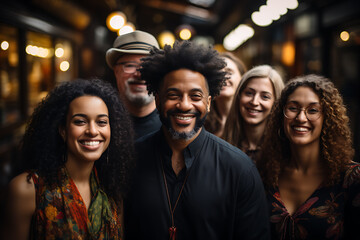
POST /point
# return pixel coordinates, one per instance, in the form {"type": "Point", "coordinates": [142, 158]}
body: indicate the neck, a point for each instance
{"type": "Point", "coordinates": [305, 158]}
{"type": "Point", "coordinates": [223, 105]}
{"type": "Point", "coordinates": [253, 134]}
{"type": "Point", "coordinates": [140, 111]}
{"type": "Point", "coordinates": [177, 147]}
{"type": "Point", "coordinates": [78, 171]}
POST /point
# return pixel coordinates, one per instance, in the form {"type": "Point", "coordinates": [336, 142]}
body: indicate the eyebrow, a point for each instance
{"type": "Point", "coordinates": [85, 116]}
{"type": "Point", "coordinates": [192, 90]}
{"type": "Point", "coordinates": [127, 62]}
{"type": "Point", "coordinates": [296, 102]}
{"type": "Point", "coordinates": [261, 91]}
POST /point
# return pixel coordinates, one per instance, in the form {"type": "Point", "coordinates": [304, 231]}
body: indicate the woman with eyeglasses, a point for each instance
{"type": "Point", "coordinates": [312, 184]}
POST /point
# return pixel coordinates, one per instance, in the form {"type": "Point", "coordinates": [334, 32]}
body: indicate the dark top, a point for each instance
{"type": "Point", "coordinates": [147, 124]}
{"type": "Point", "coordinates": [331, 212]}
{"type": "Point", "coordinates": [223, 197]}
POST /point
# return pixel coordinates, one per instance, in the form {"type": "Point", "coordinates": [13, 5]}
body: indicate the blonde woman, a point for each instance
{"type": "Point", "coordinates": [253, 101]}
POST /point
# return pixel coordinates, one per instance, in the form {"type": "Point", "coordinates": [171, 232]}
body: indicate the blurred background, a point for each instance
{"type": "Point", "coordinates": [45, 42]}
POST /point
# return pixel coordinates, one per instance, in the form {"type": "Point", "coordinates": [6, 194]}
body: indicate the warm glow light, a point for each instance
{"type": "Point", "coordinates": [166, 37]}
{"type": "Point", "coordinates": [59, 52]}
{"type": "Point", "coordinates": [185, 34]}
{"type": "Point", "coordinates": [272, 11]}
{"type": "Point", "coordinates": [237, 37]}
{"type": "Point", "coordinates": [115, 21]}
{"type": "Point", "coordinates": [4, 45]}
{"type": "Point", "coordinates": [127, 28]}
{"type": "Point", "coordinates": [43, 52]}
{"type": "Point", "coordinates": [288, 54]}
{"type": "Point", "coordinates": [64, 66]}
{"type": "Point", "coordinates": [344, 35]}
{"type": "Point", "coordinates": [38, 51]}
{"type": "Point", "coordinates": [260, 19]}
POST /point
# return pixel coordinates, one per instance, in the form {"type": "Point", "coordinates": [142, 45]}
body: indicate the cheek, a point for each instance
{"type": "Point", "coordinates": [236, 81]}
{"type": "Point", "coordinates": [107, 135]}
{"type": "Point", "coordinates": [73, 132]}
{"type": "Point", "coordinates": [286, 127]}
{"type": "Point", "coordinates": [243, 100]}
{"type": "Point", "coordinates": [166, 105]}
{"type": "Point", "coordinates": [268, 106]}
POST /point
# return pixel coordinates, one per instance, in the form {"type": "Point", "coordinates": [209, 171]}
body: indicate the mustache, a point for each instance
{"type": "Point", "coordinates": [177, 111]}
{"type": "Point", "coordinates": [135, 81]}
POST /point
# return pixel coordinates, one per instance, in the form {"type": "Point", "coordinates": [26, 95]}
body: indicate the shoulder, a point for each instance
{"type": "Point", "coordinates": [229, 154]}
{"type": "Point", "coordinates": [226, 147]}
{"type": "Point", "coordinates": [22, 193]}
{"type": "Point", "coordinates": [352, 174]}
{"type": "Point", "coordinates": [21, 186]}
{"type": "Point", "coordinates": [147, 141]}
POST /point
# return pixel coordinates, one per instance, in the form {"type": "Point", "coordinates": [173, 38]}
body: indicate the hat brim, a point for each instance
{"type": "Point", "coordinates": [114, 53]}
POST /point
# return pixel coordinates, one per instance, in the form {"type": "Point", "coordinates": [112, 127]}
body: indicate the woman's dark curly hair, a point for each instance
{"type": "Point", "coordinates": [186, 54]}
{"type": "Point", "coordinates": [43, 149]}
{"type": "Point", "coordinates": [335, 140]}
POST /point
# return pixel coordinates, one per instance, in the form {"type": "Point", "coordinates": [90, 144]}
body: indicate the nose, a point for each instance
{"type": "Point", "coordinates": [255, 100]}
{"type": "Point", "coordinates": [301, 116]}
{"type": "Point", "coordinates": [184, 104]}
{"type": "Point", "coordinates": [137, 73]}
{"type": "Point", "coordinates": [92, 129]}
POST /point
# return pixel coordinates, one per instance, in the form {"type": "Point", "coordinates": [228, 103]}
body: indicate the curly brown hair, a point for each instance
{"type": "Point", "coordinates": [43, 148]}
{"type": "Point", "coordinates": [335, 140]}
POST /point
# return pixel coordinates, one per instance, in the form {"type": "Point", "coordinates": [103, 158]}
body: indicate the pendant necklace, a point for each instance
{"type": "Point", "coordinates": [172, 229]}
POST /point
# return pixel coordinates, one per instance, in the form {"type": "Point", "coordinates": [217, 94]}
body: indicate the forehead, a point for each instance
{"type": "Point", "coordinates": [261, 84]}
{"type": "Point", "coordinates": [230, 64]}
{"type": "Point", "coordinates": [130, 57]}
{"type": "Point", "coordinates": [88, 105]}
{"type": "Point", "coordinates": [303, 95]}
{"type": "Point", "coordinates": [184, 80]}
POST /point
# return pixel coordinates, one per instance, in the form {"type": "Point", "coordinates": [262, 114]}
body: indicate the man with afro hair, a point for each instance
{"type": "Point", "coordinates": [188, 183]}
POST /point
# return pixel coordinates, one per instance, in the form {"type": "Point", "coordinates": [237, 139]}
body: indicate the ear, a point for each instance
{"type": "Point", "coordinates": [208, 103]}
{"type": "Point", "coordinates": [62, 133]}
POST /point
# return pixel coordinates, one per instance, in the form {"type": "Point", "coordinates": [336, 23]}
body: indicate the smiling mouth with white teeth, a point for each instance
{"type": "Point", "coordinates": [90, 143]}
{"type": "Point", "coordinates": [253, 110]}
{"type": "Point", "coordinates": [183, 118]}
{"type": "Point", "coordinates": [301, 129]}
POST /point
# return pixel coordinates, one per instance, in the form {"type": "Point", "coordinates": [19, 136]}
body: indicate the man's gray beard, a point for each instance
{"type": "Point", "coordinates": [182, 135]}
{"type": "Point", "coordinates": [137, 100]}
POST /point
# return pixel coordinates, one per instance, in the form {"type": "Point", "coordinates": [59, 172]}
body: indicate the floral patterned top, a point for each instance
{"type": "Point", "coordinates": [329, 213]}
{"type": "Point", "coordinates": [61, 213]}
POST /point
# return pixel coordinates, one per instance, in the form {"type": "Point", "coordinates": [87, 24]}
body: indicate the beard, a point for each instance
{"type": "Point", "coordinates": [138, 99]}
{"type": "Point", "coordinates": [199, 122]}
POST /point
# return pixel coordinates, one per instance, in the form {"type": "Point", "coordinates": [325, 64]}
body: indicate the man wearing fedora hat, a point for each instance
{"type": "Point", "coordinates": [125, 58]}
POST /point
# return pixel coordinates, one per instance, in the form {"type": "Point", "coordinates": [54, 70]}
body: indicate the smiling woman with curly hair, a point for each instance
{"type": "Point", "coordinates": [77, 152]}
{"type": "Point", "coordinates": [312, 184]}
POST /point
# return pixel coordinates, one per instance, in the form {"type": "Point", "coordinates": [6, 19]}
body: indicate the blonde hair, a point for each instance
{"type": "Point", "coordinates": [233, 131]}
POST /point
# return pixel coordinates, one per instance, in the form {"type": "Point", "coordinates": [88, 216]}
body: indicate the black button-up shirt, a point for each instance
{"type": "Point", "coordinates": [223, 197]}
{"type": "Point", "coordinates": [146, 125]}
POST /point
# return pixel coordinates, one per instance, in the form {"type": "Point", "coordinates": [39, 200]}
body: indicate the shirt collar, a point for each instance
{"type": "Point", "coordinates": [190, 152]}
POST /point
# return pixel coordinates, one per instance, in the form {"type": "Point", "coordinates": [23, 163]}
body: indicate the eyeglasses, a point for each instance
{"type": "Point", "coordinates": [129, 67]}
{"type": "Point", "coordinates": [312, 112]}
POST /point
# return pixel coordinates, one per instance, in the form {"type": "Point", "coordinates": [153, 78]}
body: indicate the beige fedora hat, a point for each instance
{"type": "Point", "coordinates": [137, 42]}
